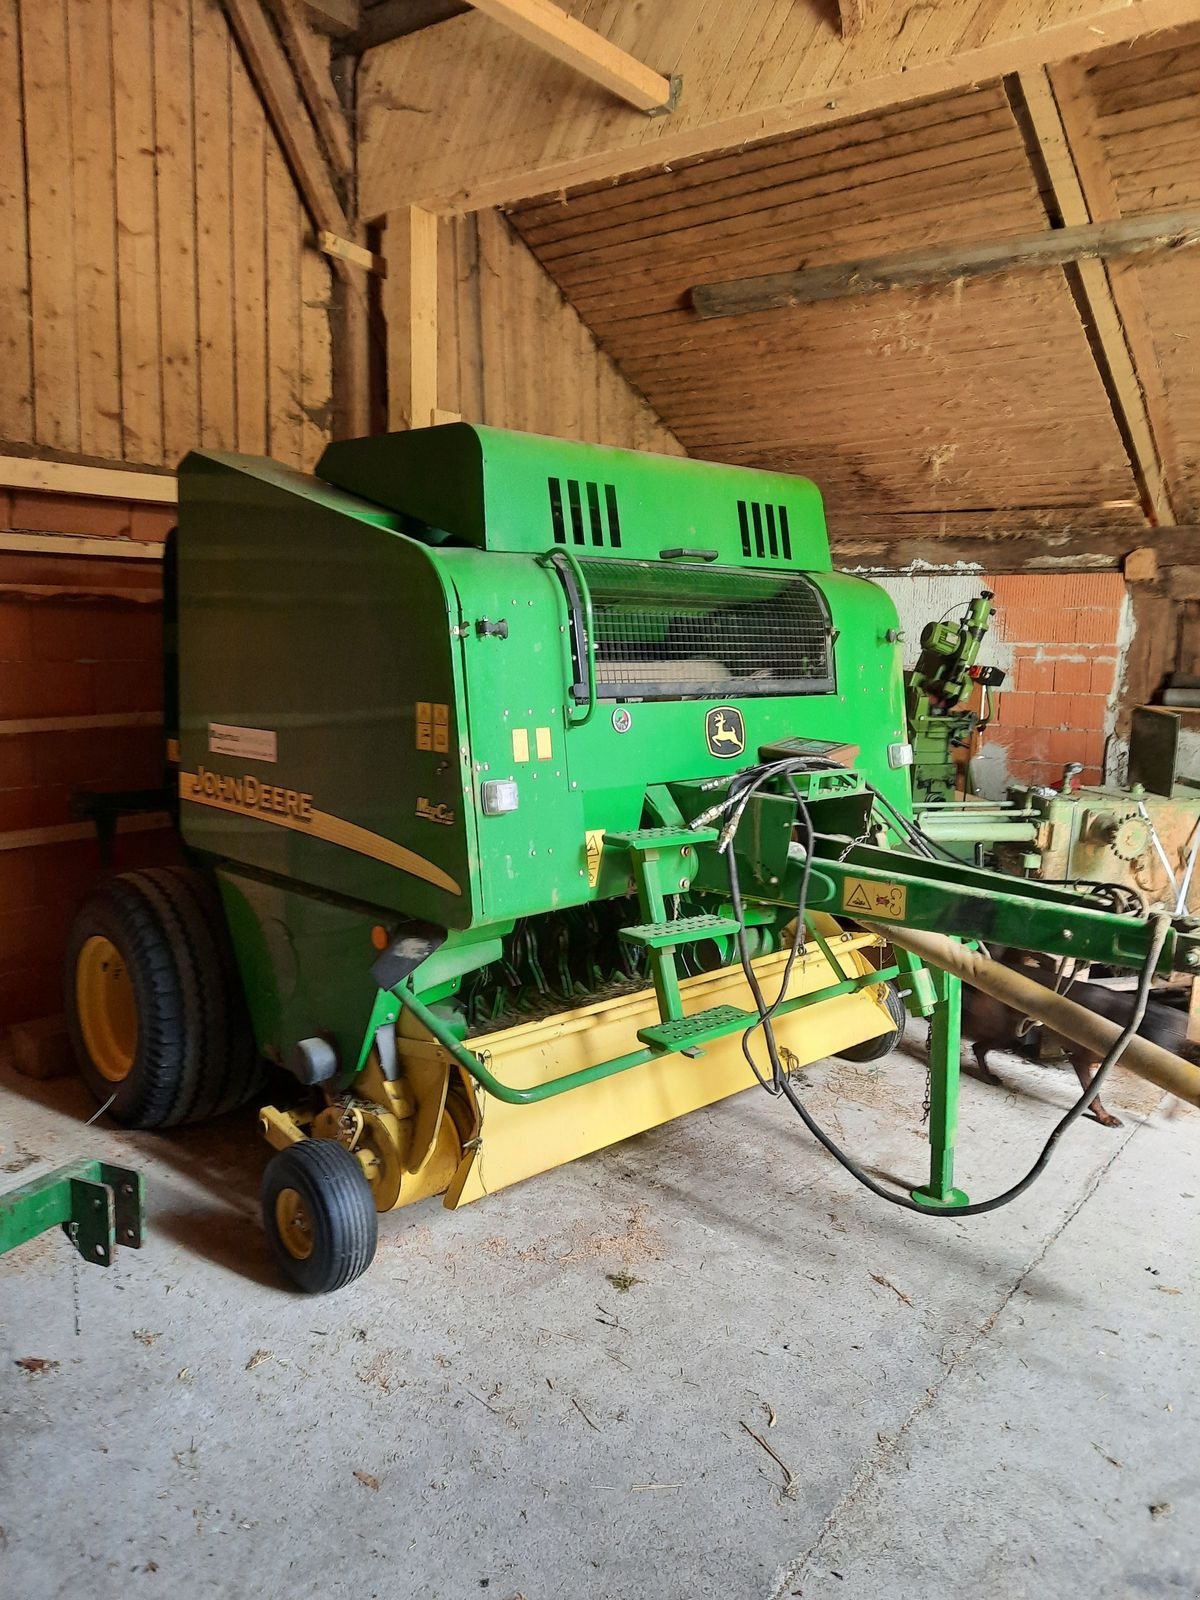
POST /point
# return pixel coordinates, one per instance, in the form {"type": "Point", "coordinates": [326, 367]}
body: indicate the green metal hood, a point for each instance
{"type": "Point", "coordinates": [499, 490]}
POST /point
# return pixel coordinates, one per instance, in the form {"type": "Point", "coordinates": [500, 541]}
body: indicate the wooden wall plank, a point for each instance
{"type": "Point", "coordinates": [45, 89]}
{"type": "Point", "coordinates": [211, 48]}
{"type": "Point", "coordinates": [284, 233]}
{"type": "Point", "coordinates": [249, 196]}
{"type": "Point", "coordinates": [147, 317]}
{"type": "Point", "coordinates": [176, 173]}
{"type": "Point", "coordinates": [137, 235]}
{"type": "Point", "coordinates": [89, 46]}
{"type": "Point", "coordinates": [316, 356]}
{"type": "Point", "coordinates": [16, 350]}
{"type": "Point", "coordinates": [175, 143]}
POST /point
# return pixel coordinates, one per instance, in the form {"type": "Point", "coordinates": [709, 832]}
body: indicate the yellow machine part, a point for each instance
{"type": "Point", "coordinates": [517, 1141]}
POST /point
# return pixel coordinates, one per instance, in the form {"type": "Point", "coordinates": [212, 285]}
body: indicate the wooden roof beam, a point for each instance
{"type": "Point", "coordinates": [911, 269]}
{"type": "Point", "coordinates": [277, 89]}
{"type": "Point", "coordinates": [334, 16]}
{"type": "Point", "coordinates": [579, 46]}
{"type": "Point", "coordinates": [316, 87]}
{"type": "Point", "coordinates": [1036, 107]}
{"type": "Point", "coordinates": [1024, 547]}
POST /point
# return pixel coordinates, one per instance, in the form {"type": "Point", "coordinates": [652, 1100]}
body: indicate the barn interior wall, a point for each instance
{"type": "Point", "coordinates": [159, 291]}
{"type": "Point", "coordinates": [80, 710]}
{"type": "Point", "coordinates": [156, 288]}
{"type": "Point", "coordinates": [1058, 637]}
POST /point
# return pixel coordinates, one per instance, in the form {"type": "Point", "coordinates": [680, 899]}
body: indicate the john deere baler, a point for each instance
{"type": "Point", "coordinates": [537, 781]}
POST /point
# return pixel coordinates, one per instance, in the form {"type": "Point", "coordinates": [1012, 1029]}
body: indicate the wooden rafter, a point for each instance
{"type": "Point", "coordinates": [1096, 182]}
{"type": "Point", "coordinates": [316, 87]}
{"type": "Point", "coordinates": [277, 87]}
{"type": "Point", "coordinates": [1130, 236]}
{"type": "Point", "coordinates": [337, 17]}
{"type": "Point", "coordinates": [1037, 107]}
{"type": "Point", "coordinates": [446, 148]}
{"type": "Point", "coordinates": [568, 40]}
{"type": "Point", "coordinates": [1020, 549]}
{"type": "Point", "coordinates": [851, 17]}
{"type": "Point", "coordinates": [281, 98]}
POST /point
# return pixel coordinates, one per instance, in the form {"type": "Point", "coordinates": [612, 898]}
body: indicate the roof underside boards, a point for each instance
{"type": "Point", "coordinates": [1136, 115]}
{"type": "Point", "coordinates": [913, 409]}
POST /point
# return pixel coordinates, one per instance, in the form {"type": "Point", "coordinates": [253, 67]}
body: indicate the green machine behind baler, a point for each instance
{"type": "Point", "coordinates": [524, 783]}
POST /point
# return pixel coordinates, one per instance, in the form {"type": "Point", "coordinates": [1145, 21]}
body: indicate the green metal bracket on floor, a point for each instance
{"type": "Point", "coordinates": [98, 1206]}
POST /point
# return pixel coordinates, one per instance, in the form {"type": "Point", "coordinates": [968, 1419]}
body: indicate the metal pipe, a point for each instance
{"type": "Point", "coordinates": [976, 830]}
{"type": "Point", "coordinates": [472, 1064]}
{"type": "Point", "coordinates": [1065, 1017]}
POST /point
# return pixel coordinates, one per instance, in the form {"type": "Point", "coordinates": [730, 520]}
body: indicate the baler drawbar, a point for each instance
{"type": "Point", "coordinates": [531, 792]}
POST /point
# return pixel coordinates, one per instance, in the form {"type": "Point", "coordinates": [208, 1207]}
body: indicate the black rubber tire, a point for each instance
{"type": "Point", "coordinates": [118, 910]}
{"type": "Point", "coordinates": [340, 1208]}
{"type": "Point", "coordinates": [876, 1049]}
{"type": "Point", "coordinates": [192, 1032]}
{"type": "Point", "coordinates": [233, 1069]}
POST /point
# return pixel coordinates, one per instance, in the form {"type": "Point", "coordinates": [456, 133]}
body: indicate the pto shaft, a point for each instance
{"type": "Point", "coordinates": [1065, 1017]}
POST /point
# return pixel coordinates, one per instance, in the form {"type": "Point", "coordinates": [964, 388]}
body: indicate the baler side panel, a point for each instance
{"type": "Point", "coordinates": [531, 859]}
{"type": "Point", "coordinates": [332, 778]}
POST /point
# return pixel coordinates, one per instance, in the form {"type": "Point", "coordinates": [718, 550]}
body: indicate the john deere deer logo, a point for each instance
{"type": "Point", "coordinates": [725, 731]}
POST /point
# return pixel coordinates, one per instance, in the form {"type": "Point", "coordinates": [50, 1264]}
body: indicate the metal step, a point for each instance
{"type": "Point", "coordinates": [643, 839]}
{"type": "Point", "coordinates": [697, 1029]}
{"type": "Point", "coordinates": [680, 930]}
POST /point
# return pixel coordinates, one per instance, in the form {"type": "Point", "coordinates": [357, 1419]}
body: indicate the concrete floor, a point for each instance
{"type": "Point", "coordinates": [790, 1389]}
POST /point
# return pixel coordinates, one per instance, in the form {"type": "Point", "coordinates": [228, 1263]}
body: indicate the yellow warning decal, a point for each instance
{"type": "Point", "coordinates": [865, 898]}
{"type": "Point", "coordinates": [433, 725]}
{"type": "Point", "coordinates": [594, 850]}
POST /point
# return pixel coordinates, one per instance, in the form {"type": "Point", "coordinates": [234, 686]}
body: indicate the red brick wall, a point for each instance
{"type": "Point", "coordinates": [1063, 633]}
{"type": "Point", "coordinates": [80, 640]}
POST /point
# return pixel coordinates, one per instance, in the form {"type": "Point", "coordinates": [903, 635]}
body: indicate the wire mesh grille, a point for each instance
{"type": "Point", "coordinates": [705, 633]}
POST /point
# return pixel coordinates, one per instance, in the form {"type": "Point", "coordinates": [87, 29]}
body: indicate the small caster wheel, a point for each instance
{"type": "Point", "coordinates": [319, 1215]}
{"type": "Point", "coordinates": [876, 1049]}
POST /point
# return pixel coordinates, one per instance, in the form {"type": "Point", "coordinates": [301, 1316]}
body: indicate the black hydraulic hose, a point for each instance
{"type": "Point", "coordinates": [780, 1083]}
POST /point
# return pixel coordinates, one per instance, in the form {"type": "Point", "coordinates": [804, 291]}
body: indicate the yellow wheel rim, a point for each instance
{"type": "Point", "coordinates": [107, 1008]}
{"type": "Point", "coordinates": [293, 1224]}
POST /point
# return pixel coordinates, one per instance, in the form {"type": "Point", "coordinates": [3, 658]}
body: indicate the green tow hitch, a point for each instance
{"type": "Point", "coordinates": [96, 1204]}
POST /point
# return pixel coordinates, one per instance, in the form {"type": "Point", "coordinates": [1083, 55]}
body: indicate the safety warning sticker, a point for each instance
{"type": "Point", "coordinates": [869, 899]}
{"type": "Point", "coordinates": [594, 852]}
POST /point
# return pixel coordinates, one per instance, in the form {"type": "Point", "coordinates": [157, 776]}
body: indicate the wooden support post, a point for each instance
{"type": "Point", "coordinates": [910, 269]}
{"type": "Point", "coordinates": [1036, 106]}
{"type": "Point", "coordinates": [581, 47]}
{"type": "Point", "coordinates": [411, 309]}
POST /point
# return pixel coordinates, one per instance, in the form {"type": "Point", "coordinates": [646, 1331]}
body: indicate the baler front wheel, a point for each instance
{"type": "Point", "coordinates": [876, 1049]}
{"type": "Point", "coordinates": [319, 1215]}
